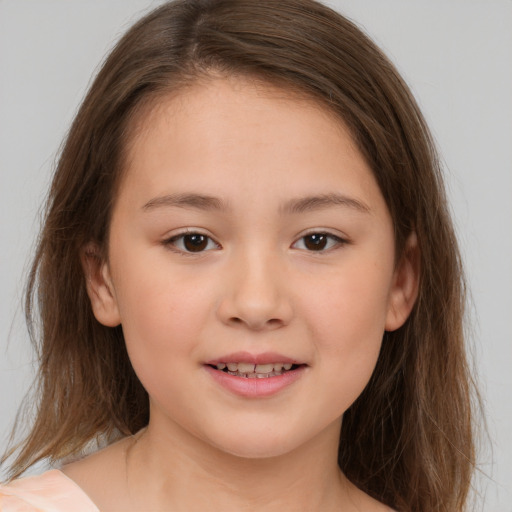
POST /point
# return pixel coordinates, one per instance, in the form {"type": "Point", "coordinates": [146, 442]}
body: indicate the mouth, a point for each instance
{"type": "Point", "coordinates": [255, 375]}
{"type": "Point", "coordinates": [255, 371]}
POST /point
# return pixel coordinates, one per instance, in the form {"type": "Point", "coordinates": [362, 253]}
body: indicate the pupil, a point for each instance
{"type": "Point", "coordinates": [195, 243]}
{"type": "Point", "coordinates": [316, 242]}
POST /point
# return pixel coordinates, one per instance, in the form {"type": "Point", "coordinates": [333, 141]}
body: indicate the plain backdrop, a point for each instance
{"type": "Point", "coordinates": [455, 54]}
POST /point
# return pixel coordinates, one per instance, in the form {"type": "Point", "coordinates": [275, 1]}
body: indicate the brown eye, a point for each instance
{"type": "Point", "coordinates": [316, 242]}
{"type": "Point", "coordinates": [195, 243]}
{"type": "Point", "coordinates": [192, 242]}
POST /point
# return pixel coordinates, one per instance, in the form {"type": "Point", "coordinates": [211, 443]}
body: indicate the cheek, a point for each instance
{"type": "Point", "coordinates": [348, 323]}
{"type": "Point", "coordinates": [352, 305]}
{"type": "Point", "coordinates": [162, 314]}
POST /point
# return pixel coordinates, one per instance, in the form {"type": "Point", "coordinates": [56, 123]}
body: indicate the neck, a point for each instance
{"type": "Point", "coordinates": [182, 472]}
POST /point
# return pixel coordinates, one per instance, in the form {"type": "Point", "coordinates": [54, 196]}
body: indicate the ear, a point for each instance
{"type": "Point", "coordinates": [404, 290]}
{"type": "Point", "coordinates": [99, 286]}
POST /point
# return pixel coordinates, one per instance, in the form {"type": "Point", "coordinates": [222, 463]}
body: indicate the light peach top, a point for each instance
{"type": "Point", "coordinates": [52, 491]}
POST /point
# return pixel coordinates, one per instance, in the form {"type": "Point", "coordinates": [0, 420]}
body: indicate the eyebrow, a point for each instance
{"type": "Point", "coordinates": [294, 206]}
{"type": "Point", "coordinates": [323, 201]}
{"type": "Point", "coordinates": [197, 201]}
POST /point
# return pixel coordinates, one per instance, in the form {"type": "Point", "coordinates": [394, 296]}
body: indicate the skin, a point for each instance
{"type": "Point", "coordinates": [257, 287]}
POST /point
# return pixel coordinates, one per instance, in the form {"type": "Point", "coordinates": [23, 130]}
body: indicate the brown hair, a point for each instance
{"type": "Point", "coordinates": [407, 440]}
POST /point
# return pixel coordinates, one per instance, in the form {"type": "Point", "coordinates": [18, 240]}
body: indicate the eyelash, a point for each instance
{"type": "Point", "coordinates": [336, 241]}
{"type": "Point", "coordinates": [172, 242]}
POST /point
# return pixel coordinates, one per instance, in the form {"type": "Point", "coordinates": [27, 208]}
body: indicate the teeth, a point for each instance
{"type": "Point", "coordinates": [263, 368]}
{"type": "Point", "coordinates": [252, 371]}
{"type": "Point", "coordinates": [245, 368]}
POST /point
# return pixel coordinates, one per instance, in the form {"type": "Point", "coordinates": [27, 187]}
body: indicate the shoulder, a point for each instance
{"type": "Point", "coordinates": [50, 492]}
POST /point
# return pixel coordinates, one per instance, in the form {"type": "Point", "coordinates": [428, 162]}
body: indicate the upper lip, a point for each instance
{"type": "Point", "coordinates": [247, 357]}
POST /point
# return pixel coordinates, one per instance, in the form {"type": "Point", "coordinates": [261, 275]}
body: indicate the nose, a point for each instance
{"type": "Point", "coordinates": [256, 294]}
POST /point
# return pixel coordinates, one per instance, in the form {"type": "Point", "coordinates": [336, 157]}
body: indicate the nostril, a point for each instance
{"type": "Point", "coordinates": [257, 324]}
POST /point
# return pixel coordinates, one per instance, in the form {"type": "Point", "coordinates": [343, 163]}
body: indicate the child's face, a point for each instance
{"type": "Point", "coordinates": [248, 228]}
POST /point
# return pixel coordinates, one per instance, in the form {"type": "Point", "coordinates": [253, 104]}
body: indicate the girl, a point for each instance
{"type": "Point", "coordinates": [248, 285]}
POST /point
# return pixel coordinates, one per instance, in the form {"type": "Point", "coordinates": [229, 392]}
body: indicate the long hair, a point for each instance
{"type": "Point", "coordinates": [407, 440]}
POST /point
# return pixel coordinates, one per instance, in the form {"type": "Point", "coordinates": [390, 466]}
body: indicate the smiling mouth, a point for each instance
{"type": "Point", "coordinates": [255, 371]}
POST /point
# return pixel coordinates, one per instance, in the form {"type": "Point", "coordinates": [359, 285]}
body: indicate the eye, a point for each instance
{"type": "Point", "coordinates": [192, 242]}
{"type": "Point", "coordinates": [318, 242]}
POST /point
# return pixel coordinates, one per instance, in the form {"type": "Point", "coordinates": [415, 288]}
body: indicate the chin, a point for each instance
{"type": "Point", "coordinates": [258, 441]}
{"type": "Point", "coordinates": [258, 450]}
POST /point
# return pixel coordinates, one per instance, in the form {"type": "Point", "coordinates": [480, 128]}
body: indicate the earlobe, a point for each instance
{"type": "Point", "coordinates": [99, 286]}
{"type": "Point", "coordinates": [404, 290]}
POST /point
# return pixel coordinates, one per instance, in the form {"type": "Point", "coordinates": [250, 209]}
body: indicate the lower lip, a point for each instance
{"type": "Point", "coordinates": [255, 388]}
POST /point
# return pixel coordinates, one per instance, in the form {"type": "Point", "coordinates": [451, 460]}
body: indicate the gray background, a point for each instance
{"type": "Point", "coordinates": [455, 54]}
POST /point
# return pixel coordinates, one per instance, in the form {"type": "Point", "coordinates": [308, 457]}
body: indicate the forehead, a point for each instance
{"type": "Point", "coordinates": [226, 97]}
{"type": "Point", "coordinates": [234, 132]}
